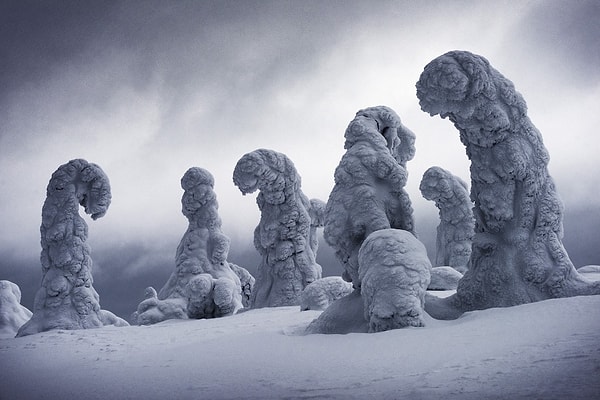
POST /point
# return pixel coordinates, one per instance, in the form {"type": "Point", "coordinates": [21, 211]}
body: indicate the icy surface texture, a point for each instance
{"type": "Point", "coordinates": [395, 272]}
{"type": "Point", "coordinates": [12, 314]}
{"type": "Point", "coordinates": [369, 190]}
{"type": "Point", "coordinates": [457, 224]}
{"type": "Point", "coordinates": [203, 284]}
{"type": "Point", "coordinates": [322, 292]}
{"type": "Point", "coordinates": [282, 236]}
{"type": "Point", "coordinates": [67, 299]}
{"type": "Point", "coordinates": [517, 256]}
{"type": "Point", "coordinates": [444, 278]}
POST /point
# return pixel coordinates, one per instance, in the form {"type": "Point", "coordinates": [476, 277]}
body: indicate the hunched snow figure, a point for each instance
{"type": "Point", "coordinates": [12, 314]}
{"type": "Point", "coordinates": [369, 190]}
{"type": "Point", "coordinates": [67, 299]}
{"type": "Point", "coordinates": [322, 292]}
{"type": "Point", "coordinates": [282, 236]}
{"type": "Point", "coordinates": [457, 224]}
{"type": "Point", "coordinates": [395, 272]}
{"type": "Point", "coordinates": [203, 284]}
{"type": "Point", "coordinates": [518, 256]}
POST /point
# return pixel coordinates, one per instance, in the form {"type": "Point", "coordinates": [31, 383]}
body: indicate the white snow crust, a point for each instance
{"type": "Point", "coordinates": [545, 350]}
{"type": "Point", "coordinates": [12, 314]}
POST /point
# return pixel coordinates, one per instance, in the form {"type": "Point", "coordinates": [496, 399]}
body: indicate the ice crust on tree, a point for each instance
{"type": "Point", "coordinates": [322, 292]}
{"type": "Point", "coordinates": [283, 235]}
{"type": "Point", "coordinates": [395, 271]}
{"type": "Point", "coordinates": [457, 224]}
{"type": "Point", "coordinates": [12, 314]}
{"type": "Point", "coordinates": [67, 299]}
{"type": "Point", "coordinates": [369, 190]}
{"type": "Point", "coordinates": [204, 284]}
{"type": "Point", "coordinates": [517, 255]}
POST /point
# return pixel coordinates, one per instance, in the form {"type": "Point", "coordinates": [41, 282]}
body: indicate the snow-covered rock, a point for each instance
{"type": "Point", "coordinates": [457, 224]}
{"type": "Point", "coordinates": [67, 299]}
{"type": "Point", "coordinates": [322, 292]}
{"type": "Point", "coordinates": [282, 237]}
{"type": "Point", "coordinates": [12, 314]}
{"type": "Point", "coordinates": [517, 255]}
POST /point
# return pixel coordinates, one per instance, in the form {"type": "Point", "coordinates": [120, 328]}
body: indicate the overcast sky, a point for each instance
{"type": "Point", "coordinates": [148, 89]}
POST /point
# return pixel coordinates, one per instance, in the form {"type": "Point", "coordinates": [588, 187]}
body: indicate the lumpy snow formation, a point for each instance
{"type": "Point", "coordinates": [517, 255]}
{"type": "Point", "coordinates": [67, 299]}
{"type": "Point", "coordinates": [457, 224]}
{"type": "Point", "coordinates": [317, 220]}
{"type": "Point", "coordinates": [12, 314]}
{"type": "Point", "coordinates": [322, 292]}
{"type": "Point", "coordinates": [282, 237]}
{"type": "Point", "coordinates": [369, 190]}
{"type": "Point", "coordinates": [204, 284]}
{"type": "Point", "coordinates": [395, 272]}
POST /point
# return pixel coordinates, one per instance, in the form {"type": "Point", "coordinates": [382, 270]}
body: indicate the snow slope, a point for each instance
{"type": "Point", "coordinates": [548, 350]}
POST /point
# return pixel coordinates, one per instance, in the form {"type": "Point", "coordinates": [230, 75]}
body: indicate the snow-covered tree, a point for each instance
{"type": "Point", "coordinates": [282, 236]}
{"type": "Point", "coordinates": [67, 299]}
{"type": "Point", "coordinates": [517, 256]}
{"type": "Point", "coordinates": [12, 314]}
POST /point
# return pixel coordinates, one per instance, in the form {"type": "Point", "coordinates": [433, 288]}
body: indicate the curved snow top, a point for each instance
{"type": "Point", "coordinates": [442, 186]}
{"type": "Point", "coordinates": [86, 182]}
{"type": "Point", "coordinates": [199, 195]}
{"type": "Point", "coordinates": [465, 88]}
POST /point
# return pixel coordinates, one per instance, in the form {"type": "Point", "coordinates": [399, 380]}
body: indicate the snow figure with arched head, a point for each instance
{"type": "Point", "coordinates": [203, 285]}
{"type": "Point", "coordinates": [457, 224]}
{"type": "Point", "coordinates": [369, 190]}
{"type": "Point", "coordinates": [517, 256]}
{"type": "Point", "coordinates": [12, 314]}
{"type": "Point", "coordinates": [67, 299]}
{"type": "Point", "coordinates": [282, 236]}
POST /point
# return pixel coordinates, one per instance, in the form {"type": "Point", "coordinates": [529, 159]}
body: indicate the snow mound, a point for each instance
{"type": "Point", "coordinates": [12, 314]}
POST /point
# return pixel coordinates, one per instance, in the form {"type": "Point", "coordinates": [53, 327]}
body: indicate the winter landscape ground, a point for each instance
{"type": "Point", "coordinates": [544, 350]}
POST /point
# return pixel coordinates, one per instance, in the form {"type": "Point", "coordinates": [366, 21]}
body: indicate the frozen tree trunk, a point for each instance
{"type": "Point", "coordinates": [369, 190]}
{"type": "Point", "coordinates": [457, 224]}
{"type": "Point", "coordinates": [12, 314]}
{"type": "Point", "coordinates": [517, 256]}
{"type": "Point", "coordinates": [67, 299]}
{"type": "Point", "coordinates": [204, 284]}
{"type": "Point", "coordinates": [282, 237]}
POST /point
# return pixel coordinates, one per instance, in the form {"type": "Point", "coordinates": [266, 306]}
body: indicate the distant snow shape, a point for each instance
{"type": "Point", "coordinates": [283, 235]}
{"type": "Point", "coordinates": [317, 220]}
{"type": "Point", "coordinates": [369, 192]}
{"type": "Point", "coordinates": [67, 299]}
{"type": "Point", "coordinates": [457, 224]}
{"type": "Point", "coordinates": [204, 284]}
{"type": "Point", "coordinates": [518, 256]}
{"type": "Point", "coordinates": [12, 314]}
{"type": "Point", "coordinates": [322, 292]}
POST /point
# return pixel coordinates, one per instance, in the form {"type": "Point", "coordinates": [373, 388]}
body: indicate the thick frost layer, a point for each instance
{"type": "Point", "coordinates": [282, 236]}
{"type": "Point", "coordinates": [518, 255]}
{"type": "Point", "coordinates": [203, 285]}
{"type": "Point", "coordinates": [322, 292]}
{"type": "Point", "coordinates": [67, 299]}
{"type": "Point", "coordinates": [395, 272]}
{"type": "Point", "coordinates": [12, 314]}
{"type": "Point", "coordinates": [369, 190]}
{"type": "Point", "coordinates": [457, 224]}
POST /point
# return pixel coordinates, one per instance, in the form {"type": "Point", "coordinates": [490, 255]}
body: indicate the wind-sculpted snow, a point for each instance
{"type": "Point", "coordinates": [247, 281]}
{"type": "Point", "coordinates": [457, 224]}
{"type": "Point", "coordinates": [282, 236]}
{"type": "Point", "coordinates": [322, 292]}
{"type": "Point", "coordinates": [203, 285]}
{"type": "Point", "coordinates": [12, 314]}
{"type": "Point", "coordinates": [369, 190]}
{"type": "Point", "coordinates": [395, 272]}
{"type": "Point", "coordinates": [67, 299]}
{"type": "Point", "coordinates": [518, 255]}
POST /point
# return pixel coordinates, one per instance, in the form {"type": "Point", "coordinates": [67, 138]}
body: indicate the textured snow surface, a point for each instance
{"type": "Point", "coordinates": [545, 350]}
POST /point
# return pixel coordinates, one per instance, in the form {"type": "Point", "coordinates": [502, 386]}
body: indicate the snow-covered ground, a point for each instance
{"type": "Point", "coordinates": [545, 350]}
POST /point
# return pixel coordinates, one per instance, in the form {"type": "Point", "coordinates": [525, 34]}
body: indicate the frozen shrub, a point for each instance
{"type": "Point", "coordinates": [282, 236]}
{"type": "Point", "coordinates": [457, 224]}
{"type": "Point", "coordinates": [67, 299]}
{"type": "Point", "coordinates": [322, 292]}
{"type": "Point", "coordinates": [517, 255]}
